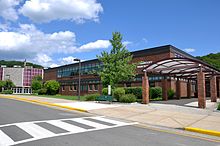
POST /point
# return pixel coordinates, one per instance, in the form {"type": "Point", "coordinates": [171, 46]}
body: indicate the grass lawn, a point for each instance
{"type": "Point", "coordinates": [82, 98]}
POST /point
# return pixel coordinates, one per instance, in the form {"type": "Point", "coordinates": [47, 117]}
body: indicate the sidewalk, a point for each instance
{"type": "Point", "coordinates": [167, 115]}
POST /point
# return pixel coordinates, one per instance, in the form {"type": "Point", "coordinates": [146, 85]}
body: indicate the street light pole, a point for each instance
{"type": "Point", "coordinates": [79, 76]}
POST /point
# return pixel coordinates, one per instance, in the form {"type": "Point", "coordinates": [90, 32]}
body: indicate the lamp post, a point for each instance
{"type": "Point", "coordinates": [76, 59]}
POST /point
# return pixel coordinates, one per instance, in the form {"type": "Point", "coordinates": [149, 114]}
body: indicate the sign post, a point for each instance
{"type": "Point", "coordinates": [109, 90]}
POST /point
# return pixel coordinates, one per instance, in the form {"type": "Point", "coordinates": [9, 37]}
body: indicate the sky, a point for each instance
{"type": "Point", "coordinates": [54, 32]}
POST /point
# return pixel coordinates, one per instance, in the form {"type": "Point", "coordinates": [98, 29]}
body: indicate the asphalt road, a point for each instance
{"type": "Point", "coordinates": [27, 124]}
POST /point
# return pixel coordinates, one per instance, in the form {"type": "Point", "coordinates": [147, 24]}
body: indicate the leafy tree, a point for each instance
{"type": "Point", "coordinates": [117, 66]}
{"type": "Point", "coordinates": [52, 87]}
{"type": "Point", "coordinates": [212, 59]}
{"type": "Point", "coordinates": [38, 78]}
{"type": "Point", "coordinates": [9, 84]}
{"type": "Point", "coordinates": [2, 84]}
{"type": "Point", "coordinates": [36, 83]}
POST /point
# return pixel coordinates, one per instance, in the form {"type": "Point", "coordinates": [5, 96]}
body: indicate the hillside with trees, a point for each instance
{"type": "Point", "coordinates": [212, 59]}
{"type": "Point", "coordinates": [18, 63]}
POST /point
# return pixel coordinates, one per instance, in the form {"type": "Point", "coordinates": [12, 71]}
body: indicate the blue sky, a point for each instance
{"type": "Point", "coordinates": [53, 32]}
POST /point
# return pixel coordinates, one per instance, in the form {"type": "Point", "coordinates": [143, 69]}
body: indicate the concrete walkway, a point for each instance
{"type": "Point", "coordinates": [167, 115]}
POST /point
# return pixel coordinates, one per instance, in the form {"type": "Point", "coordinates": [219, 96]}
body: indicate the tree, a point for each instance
{"type": "Point", "coordinates": [52, 87]}
{"type": "Point", "coordinates": [36, 83]}
{"type": "Point", "coordinates": [212, 59]}
{"type": "Point", "coordinates": [9, 84]}
{"type": "Point", "coordinates": [2, 84]}
{"type": "Point", "coordinates": [117, 66]}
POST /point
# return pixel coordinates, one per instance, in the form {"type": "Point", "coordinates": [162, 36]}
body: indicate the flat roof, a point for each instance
{"type": "Point", "coordinates": [139, 53]}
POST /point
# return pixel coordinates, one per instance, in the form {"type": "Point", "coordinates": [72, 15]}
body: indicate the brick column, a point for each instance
{"type": "Point", "coordinates": [213, 89]}
{"type": "Point", "coordinates": [164, 89]}
{"type": "Point", "coordinates": [218, 88]}
{"type": "Point", "coordinates": [178, 89]}
{"type": "Point", "coordinates": [189, 89]}
{"type": "Point", "coordinates": [145, 89]}
{"type": "Point", "coordinates": [201, 89]}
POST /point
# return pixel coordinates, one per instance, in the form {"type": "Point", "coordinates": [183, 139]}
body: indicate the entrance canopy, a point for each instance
{"type": "Point", "coordinates": [181, 68]}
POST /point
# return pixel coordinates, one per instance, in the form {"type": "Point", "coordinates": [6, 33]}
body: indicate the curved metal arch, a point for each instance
{"type": "Point", "coordinates": [179, 66]}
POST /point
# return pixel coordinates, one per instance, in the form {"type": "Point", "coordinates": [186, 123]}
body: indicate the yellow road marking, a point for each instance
{"type": "Point", "coordinates": [42, 103]}
{"type": "Point", "coordinates": [177, 133]}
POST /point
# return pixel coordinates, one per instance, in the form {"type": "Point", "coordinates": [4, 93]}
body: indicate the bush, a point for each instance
{"type": "Point", "coordinates": [42, 91]}
{"type": "Point", "coordinates": [7, 92]}
{"type": "Point", "coordinates": [137, 91]}
{"type": "Point", "coordinates": [118, 92]}
{"type": "Point", "coordinates": [91, 97]}
{"type": "Point", "coordinates": [170, 93]}
{"type": "Point", "coordinates": [218, 107]}
{"type": "Point", "coordinates": [105, 91]}
{"type": "Point", "coordinates": [155, 92]}
{"type": "Point", "coordinates": [128, 98]}
{"type": "Point", "coordinates": [52, 87]}
{"type": "Point", "coordinates": [36, 85]}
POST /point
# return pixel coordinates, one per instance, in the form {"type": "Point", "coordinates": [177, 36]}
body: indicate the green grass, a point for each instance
{"type": "Point", "coordinates": [82, 98]}
{"type": "Point", "coordinates": [156, 99]}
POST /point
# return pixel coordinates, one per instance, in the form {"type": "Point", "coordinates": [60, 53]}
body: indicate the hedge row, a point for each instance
{"type": "Point", "coordinates": [155, 92]}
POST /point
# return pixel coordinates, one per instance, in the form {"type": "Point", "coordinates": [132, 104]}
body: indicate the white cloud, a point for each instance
{"type": "Point", "coordinates": [43, 59]}
{"type": "Point", "coordinates": [144, 40]}
{"type": "Point", "coordinates": [99, 44]}
{"type": "Point", "coordinates": [67, 60]}
{"type": "Point", "coordinates": [30, 43]}
{"type": "Point", "coordinates": [49, 10]}
{"type": "Point", "coordinates": [7, 9]}
{"type": "Point", "coordinates": [126, 43]}
{"type": "Point", "coordinates": [189, 50]}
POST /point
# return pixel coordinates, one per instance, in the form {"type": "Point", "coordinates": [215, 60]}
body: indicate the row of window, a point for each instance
{"type": "Point", "coordinates": [89, 87]}
{"type": "Point", "coordinates": [85, 69]}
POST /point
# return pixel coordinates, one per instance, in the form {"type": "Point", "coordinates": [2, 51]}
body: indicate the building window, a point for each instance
{"type": "Point", "coordinates": [74, 87]}
{"type": "Point", "coordinates": [90, 87]}
{"type": "Point", "coordinates": [71, 88]}
{"type": "Point", "coordinates": [96, 87]}
{"type": "Point", "coordinates": [63, 88]}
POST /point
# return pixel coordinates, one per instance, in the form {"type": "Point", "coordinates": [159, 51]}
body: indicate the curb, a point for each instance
{"type": "Point", "coordinates": [43, 103]}
{"type": "Point", "coordinates": [203, 131]}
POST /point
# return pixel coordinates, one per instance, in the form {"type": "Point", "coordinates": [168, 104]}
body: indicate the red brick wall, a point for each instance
{"type": "Point", "coordinates": [50, 75]}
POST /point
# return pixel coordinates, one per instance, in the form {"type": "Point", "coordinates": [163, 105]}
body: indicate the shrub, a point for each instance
{"type": "Point", "coordinates": [91, 97]}
{"type": "Point", "coordinates": [155, 92]}
{"type": "Point", "coordinates": [218, 107]}
{"type": "Point", "coordinates": [52, 87]}
{"type": "Point", "coordinates": [170, 93]}
{"type": "Point", "coordinates": [118, 92]}
{"type": "Point", "coordinates": [128, 98]}
{"type": "Point", "coordinates": [42, 91]}
{"type": "Point", "coordinates": [36, 85]}
{"type": "Point", "coordinates": [137, 91]}
{"type": "Point", "coordinates": [7, 92]}
{"type": "Point", "coordinates": [105, 91]}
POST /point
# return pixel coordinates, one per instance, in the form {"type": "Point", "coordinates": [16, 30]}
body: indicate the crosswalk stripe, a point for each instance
{"type": "Point", "coordinates": [108, 120]}
{"type": "Point", "coordinates": [66, 126]}
{"type": "Point", "coordinates": [35, 130]}
{"type": "Point", "coordinates": [71, 127]}
{"type": "Point", "coordinates": [5, 139]}
{"type": "Point", "coordinates": [90, 123]}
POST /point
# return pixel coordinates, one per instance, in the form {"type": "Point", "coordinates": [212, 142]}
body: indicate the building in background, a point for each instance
{"type": "Point", "coordinates": [67, 75]}
{"type": "Point", "coordinates": [21, 77]}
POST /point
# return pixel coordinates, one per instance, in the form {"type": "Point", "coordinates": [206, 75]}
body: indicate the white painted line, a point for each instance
{"type": "Point", "coordinates": [39, 121]}
{"type": "Point", "coordinates": [109, 121]}
{"type": "Point", "coordinates": [5, 139]}
{"type": "Point", "coordinates": [41, 133]}
{"type": "Point", "coordinates": [66, 126]}
{"type": "Point", "coordinates": [90, 123]}
{"type": "Point", "coordinates": [35, 130]}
